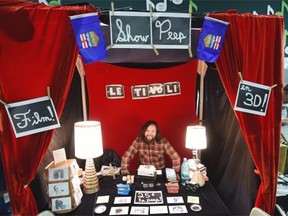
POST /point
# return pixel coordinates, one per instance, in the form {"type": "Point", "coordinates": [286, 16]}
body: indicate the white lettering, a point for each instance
{"type": "Point", "coordinates": [126, 36]}
{"type": "Point", "coordinates": [166, 31]}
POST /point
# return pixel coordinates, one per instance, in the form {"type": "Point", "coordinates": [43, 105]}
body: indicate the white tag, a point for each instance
{"type": "Point", "coordinates": [6, 197]}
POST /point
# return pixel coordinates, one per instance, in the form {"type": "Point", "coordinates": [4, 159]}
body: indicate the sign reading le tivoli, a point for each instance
{"type": "Point", "coordinates": [142, 30]}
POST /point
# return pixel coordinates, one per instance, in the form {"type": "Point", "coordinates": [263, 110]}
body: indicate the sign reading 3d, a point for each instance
{"type": "Point", "coordinates": [252, 98]}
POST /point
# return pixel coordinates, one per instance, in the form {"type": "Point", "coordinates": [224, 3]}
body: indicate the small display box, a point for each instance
{"type": "Point", "coordinates": [123, 189]}
{"type": "Point", "coordinates": [172, 187]}
{"type": "Point", "coordinates": [64, 189]}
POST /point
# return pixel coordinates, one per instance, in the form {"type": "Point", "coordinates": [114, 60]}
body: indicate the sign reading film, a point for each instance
{"type": "Point", "coordinates": [252, 98]}
{"type": "Point", "coordinates": [141, 30]}
{"type": "Point", "coordinates": [32, 116]}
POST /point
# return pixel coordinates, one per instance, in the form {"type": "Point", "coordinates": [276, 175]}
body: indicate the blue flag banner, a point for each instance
{"type": "Point", "coordinates": [211, 39]}
{"type": "Point", "coordinates": [89, 37]}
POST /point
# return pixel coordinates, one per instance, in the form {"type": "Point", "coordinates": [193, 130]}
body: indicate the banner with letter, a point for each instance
{"type": "Point", "coordinates": [89, 37]}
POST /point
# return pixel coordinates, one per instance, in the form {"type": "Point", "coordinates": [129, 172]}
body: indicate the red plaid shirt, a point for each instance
{"type": "Point", "coordinates": [150, 154]}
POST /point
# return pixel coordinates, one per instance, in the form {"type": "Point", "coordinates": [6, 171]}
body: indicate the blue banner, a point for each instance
{"type": "Point", "coordinates": [89, 37]}
{"type": "Point", "coordinates": [211, 39]}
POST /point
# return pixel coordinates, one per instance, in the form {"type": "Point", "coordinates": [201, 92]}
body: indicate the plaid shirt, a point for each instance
{"type": "Point", "coordinates": [150, 154]}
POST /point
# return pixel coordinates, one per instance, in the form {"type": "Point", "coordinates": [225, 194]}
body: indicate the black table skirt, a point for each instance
{"type": "Point", "coordinates": [209, 200]}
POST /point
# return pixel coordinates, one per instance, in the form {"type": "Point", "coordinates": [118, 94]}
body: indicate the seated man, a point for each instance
{"type": "Point", "coordinates": [152, 148]}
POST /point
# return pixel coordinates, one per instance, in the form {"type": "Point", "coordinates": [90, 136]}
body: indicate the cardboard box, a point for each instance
{"type": "Point", "coordinates": [62, 171]}
{"type": "Point", "coordinates": [64, 188]}
{"type": "Point", "coordinates": [172, 187]}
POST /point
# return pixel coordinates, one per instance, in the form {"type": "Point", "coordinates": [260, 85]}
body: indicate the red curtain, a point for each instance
{"type": "Point", "coordinates": [122, 118]}
{"type": "Point", "coordinates": [254, 46]}
{"type": "Point", "coordinates": [37, 50]}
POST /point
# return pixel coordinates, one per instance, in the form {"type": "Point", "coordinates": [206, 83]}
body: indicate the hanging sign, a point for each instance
{"type": "Point", "coordinates": [142, 30]}
{"type": "Point", "coordinates": [171, 30]}
{"type": "Point", "coordinates": [130, 29]}
{"type": "Point", "coordinates": [252, 98]}
{"type": "Point", "coordinates": [32, 116]}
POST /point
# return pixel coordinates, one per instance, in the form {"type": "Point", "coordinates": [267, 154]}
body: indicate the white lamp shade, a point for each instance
{"type": "Point", "coordinates": [88, 139]}
{"type": "Point", "coordinates": [196, 137]}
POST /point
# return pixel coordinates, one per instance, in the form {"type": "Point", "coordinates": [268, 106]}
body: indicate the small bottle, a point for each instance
{"type": "Point", "coordinates": [185, 171]}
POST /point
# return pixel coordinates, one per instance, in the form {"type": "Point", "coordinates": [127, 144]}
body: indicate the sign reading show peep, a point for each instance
{"type": "Point", "coordinates": [32, 116]}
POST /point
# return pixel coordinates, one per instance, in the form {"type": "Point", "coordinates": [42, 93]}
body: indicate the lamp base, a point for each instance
{"type": "Point", "coordinates": [90, 184]}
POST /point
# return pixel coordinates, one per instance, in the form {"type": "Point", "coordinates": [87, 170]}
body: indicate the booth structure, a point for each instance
{"type": "Point", "coordinates": [38, 50]}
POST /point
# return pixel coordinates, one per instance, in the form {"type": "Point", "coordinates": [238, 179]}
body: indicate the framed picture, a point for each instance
{"type": "Point", "coordinates": [58, 189]}
{"type": "Point", "coordinates": [175, 199]}
{"type": "Point", "coordinates": [139, 210]}
{"type": "Point", "coordinates": [58, 174]}
{"type": "Point", "coordinates": [61, 204]}
{"type": "Point", "coordinates": [178, 209]}
{"type": "Point", "coordinates": [162, 209]}
{"type": "Point", "coordinates": [121, 210]}
{"type": "Point", "coordinates": [122, 200]}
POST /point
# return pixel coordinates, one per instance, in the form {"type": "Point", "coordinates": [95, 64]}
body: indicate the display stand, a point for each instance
{"type": "Point", "coordinates": [64, 189]}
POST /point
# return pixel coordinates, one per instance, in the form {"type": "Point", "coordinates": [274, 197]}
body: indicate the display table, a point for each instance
{"type": "Point", "coordinates": [209, 199]}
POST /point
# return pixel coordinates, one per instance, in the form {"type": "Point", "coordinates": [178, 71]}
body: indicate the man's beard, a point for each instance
{"type": "Point", "coordinates": [147, 141]}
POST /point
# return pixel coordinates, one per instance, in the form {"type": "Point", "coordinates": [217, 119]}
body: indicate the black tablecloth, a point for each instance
{"type": "Point", "coordinates": [209, 200]}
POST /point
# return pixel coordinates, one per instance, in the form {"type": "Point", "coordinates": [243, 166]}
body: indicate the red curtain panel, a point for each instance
{"type": "Point", "coordinates": [37, 50]}
{"type": "Point", "coordinates": [254, 47]}
{"type": "Point", "coordinates": [122, 117]}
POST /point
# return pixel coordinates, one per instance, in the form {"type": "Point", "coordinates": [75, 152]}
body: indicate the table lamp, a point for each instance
{"type": "Point", "coordinates": [196, 138]}
{"type": "Point", "coordinates": [88, 145]}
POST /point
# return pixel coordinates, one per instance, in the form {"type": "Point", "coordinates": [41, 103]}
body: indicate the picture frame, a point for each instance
{"type": "Point", "coordinates": [58, 189]}
{"type": "Point", "coordinates": [162, 209]}
{"type": "Point", "coordinates": [139, 210]}
{"type": "Point", "coordinates": [175, 199]}
{"type": "Point", "coordinates": [121, 210]}
{"type": "Point", "coordinates": [61, 204]}
{"type": "Point", "coordinates": [177, 209]}
{"type": "Point", "coordinates": [58, 174]}
{"type": "Point", "coordinates": [122, 200]}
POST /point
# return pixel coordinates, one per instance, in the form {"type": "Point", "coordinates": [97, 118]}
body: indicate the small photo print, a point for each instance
{"type": "Point", "coordinates": [121, 200]}
{"type": "Point", "coordinates": [58, 174]}
{"type": "Point", "coordinates": [158, 210]}
{"type": "Point", "coordinates": [175, 199]}
{"type": "Point", "coordinates": [58, 189]}
{"type": "Point", "coordinates": [61, 204]}
{"type": "Point", "coordinates": [139, 210]}
{"type": "Point", "coordinates": [102, 199]}
{"type": "Point", "coordinates": [121, 210]}
{"type": "Point", "coordinates": [178, 209]}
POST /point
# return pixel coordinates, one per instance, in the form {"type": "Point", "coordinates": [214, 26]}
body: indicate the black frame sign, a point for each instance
{"type": "Point", "coordinates": [171, 30]}
{"type": "Point", "coordinates": [32, 116]}
{"type": "Point", "coordinates": [148, 197]}
{"type": "Point", "coordinates": [146, 31]}
{"type": "Point", "coordinates": [252, 98]}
